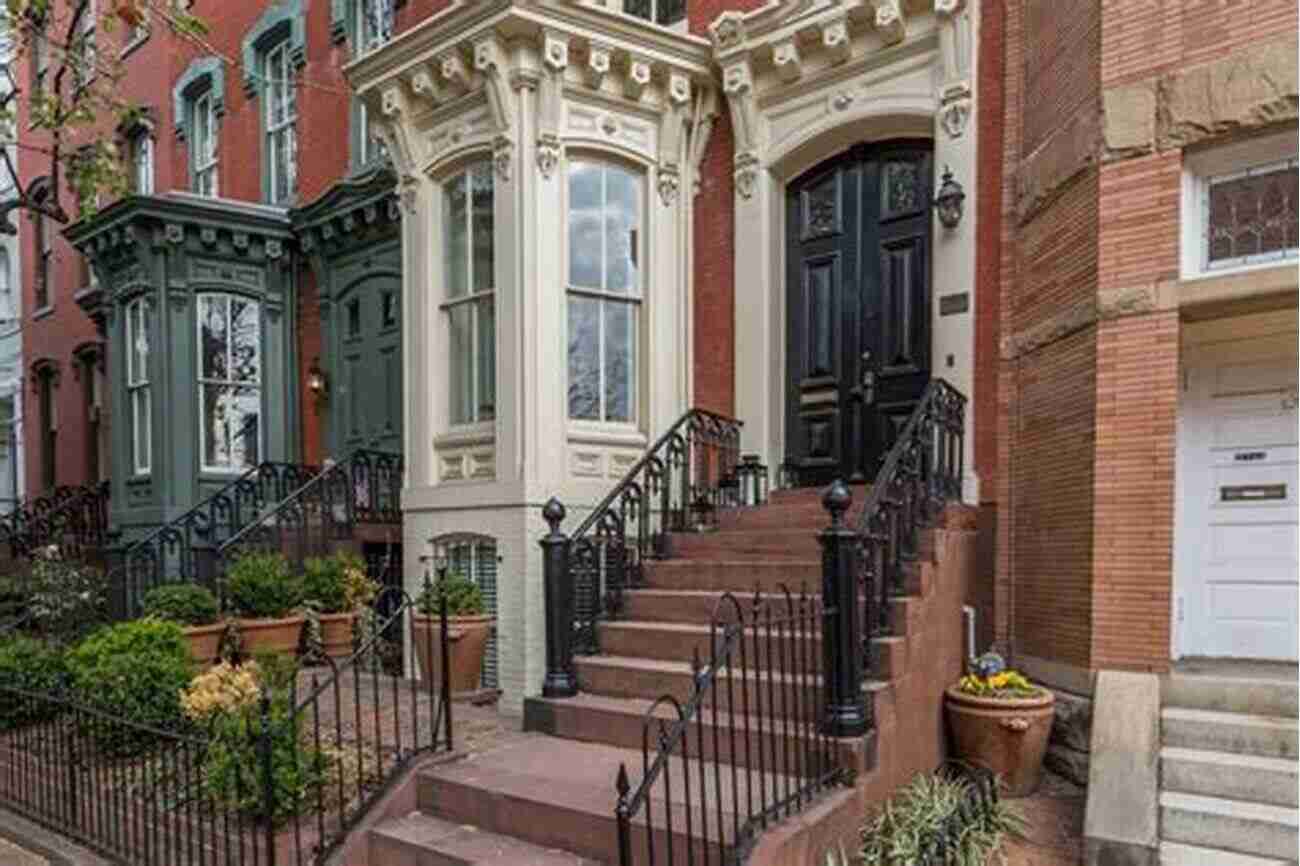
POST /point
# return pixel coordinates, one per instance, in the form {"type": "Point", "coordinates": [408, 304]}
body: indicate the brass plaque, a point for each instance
{"type": "Point", "coordinates": [1252, 492]}
{"type": "Point", "coordinates": [951, 305]}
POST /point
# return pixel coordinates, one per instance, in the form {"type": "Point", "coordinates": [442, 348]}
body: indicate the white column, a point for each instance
{"type": "Point", "coordinates": [758, 352]}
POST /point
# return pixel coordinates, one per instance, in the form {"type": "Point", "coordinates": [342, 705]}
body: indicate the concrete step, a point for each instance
{"type": "Point", "coordinates": [809, 516]}
{"type": "Point", "coordinates": [1231, 776]}
{"type": "Point", "coordinates": [1256, 695]}
{"type": "Point", "coordinates": [418, 839]}
{"type": "Point", "coordinates": [1210, 730]}
{"type": "Point", "coordinates": [765, 745]}
{"type": "Point", "coordinates": [1232, 825]}
{"type": "Point", "coordinates": [557, 793]}
{"type": "Point", "coordinates": [1174, 854]}
{"type": "Point", "coordinates": [699, 605]}
{"type": "Point", "coordinates": [735, 575]}
{"type": "Point", "coordinates": [680, 642]}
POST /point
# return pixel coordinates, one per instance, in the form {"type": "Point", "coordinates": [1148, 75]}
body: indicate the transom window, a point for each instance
{"type": "Point", "coordinates": [203, 144]}
{"type": "Point", "coordinates": [281, 113]}
{"type": "Point", "coordinates": [1250, 216]}
{"type": "Point", "coordinates": [137, 385]}
{"type": "Point", "coordinates": [469, 254]}
{"type": "Point", "coordinates": [230, 382]}
{"type": "Point", "coordinates": [605, 290]}
{"type": "Point", "coordinates": [664, 12]}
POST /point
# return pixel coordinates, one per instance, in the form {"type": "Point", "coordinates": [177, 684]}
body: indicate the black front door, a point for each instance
{"type": "Point", "coordinates": [857, 307]}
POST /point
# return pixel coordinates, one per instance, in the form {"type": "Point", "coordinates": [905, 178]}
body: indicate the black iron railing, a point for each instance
{"type": "Point", "coordinates": [73, 518]}
{"type": "Point", "coordinates": [746, 749]}
{"type": "Point", "coordinates": [922, 472]}
{"type": "Point", "coordinates": [284, 786]}
{"type": "Point", "coordinates": [185, 548]}
{"type": "Point", "coordinates": [365, 487]}
{"type": "Point", "coordinates": [679, 485]}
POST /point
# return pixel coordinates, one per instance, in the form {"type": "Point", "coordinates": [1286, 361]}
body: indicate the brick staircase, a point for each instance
{"type": "Point", "coordinates": [548, 797]}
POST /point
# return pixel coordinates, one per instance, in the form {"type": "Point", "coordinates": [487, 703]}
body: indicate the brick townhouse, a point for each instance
{"type": "Point", "coordinates": [516, 239]}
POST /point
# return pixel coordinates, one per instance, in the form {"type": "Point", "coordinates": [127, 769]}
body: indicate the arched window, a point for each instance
{"type": "Point", "coordinates": [605, 287]}
{"type": "Point", "coordinates": [470, 257]}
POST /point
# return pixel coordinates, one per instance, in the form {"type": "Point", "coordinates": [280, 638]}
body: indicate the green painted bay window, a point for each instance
{"type": "Point", "coordinates": [230, 382]}
{"type": "Point", "coordinates": [469, 254]}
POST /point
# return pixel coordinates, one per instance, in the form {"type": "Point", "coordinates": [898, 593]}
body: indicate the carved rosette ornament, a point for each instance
{"type": "Point", "coordinates": [954, 108]}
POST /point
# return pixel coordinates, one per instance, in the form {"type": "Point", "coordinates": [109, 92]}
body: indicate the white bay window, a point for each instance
{"type": "Point", "coordinates": [469, 256]}
{"type": "Point", "coordinates": [230, 382]}
{"type": "Point", "coordinates": [605, 290]}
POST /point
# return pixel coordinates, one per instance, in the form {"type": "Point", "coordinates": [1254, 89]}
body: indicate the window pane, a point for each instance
{"type": "Point", "coordinates": [143, 430]}
{"type": "Point", "coordinates": [231, 426]}
{"type": "Point", "coordinates": [585, 230]}
{"type": "Point", "coordinates": [584, 358]}
{"type": "Point", "coordinates": [622, 227]}
{"type": "Point", "coordinates": [245, 331]}
{"type": "Point", "coordinates": [212, 338]}
{"type": "Point", "coordinates": [462, 364]}
{"type": "Point", "coordinates": [1253, 214]}
{"type": "Point", "coordinates": [620, 361]}
{"type": "Point", "coordinates": [481, 178]}
{"type": "Point", "coordinates": [456, 255]}
{"type": "Point", "coordinates": [487, 360]}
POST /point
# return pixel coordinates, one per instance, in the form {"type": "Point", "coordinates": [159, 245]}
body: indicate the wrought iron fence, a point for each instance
{"type": "Point", "coordinates": [74, 518]}
{"type": "Point", "coordinates": [921, 472]}
{"type": "Point", "coordinates": [745, 749]}
{"type": "Point", "coordinates": [185, 548]}
{"type": "Point", "coordinates": [280, 782]}
{"type": "Point", "coordinates": [14, 525]}
{"type": "Point", "coordinates": [364, 488]}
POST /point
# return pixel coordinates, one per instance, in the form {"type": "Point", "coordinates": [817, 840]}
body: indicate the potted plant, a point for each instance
{"type": "Point", "coordinates": [337, 586]}
{"type": "Point", "coordinates": [468, 629]}
{"type": "Point", "coordinates": [934, 813]}
{"type": "Point", "coordinates": [999, 720]}
{"type": "Point", "coordinates": [194, 608]}
{"type": "Point", "coordinates": [265, 597]}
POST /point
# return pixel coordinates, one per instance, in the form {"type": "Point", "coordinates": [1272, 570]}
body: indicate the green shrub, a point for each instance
{"type": "Point", "coordinates": [182, 603]}
{"type": "Point", "coordinates": [259, 586]}
{"type": "Point", "coordinates": [65, 599]}
{"type": "Point", "coordinates": [32, 666]}
{"type": "Point", "coordinates": [133, 670]}
{"type": "Point", "coordinates": [464, 598]}
{"type": "Point", "coordinates": [914, 818]}
{"type": "Point", "coordinates": [322, 583]}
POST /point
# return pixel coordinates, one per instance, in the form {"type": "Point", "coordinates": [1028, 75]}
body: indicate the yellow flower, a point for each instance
{"type": "Point", "coordinates": [222, 689]}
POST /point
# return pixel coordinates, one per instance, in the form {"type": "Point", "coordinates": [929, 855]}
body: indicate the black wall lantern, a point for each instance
{"type": "Point", "coordinates": [948, 202]}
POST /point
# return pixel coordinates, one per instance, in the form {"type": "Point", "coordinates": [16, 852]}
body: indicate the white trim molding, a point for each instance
{"type": "Point", "coordinates": [804, 81]}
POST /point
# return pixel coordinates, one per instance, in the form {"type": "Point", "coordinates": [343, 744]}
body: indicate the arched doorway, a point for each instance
{"type": "Point", "coordinates": [858, 249]}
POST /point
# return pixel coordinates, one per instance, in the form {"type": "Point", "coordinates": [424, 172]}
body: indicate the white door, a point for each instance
{"type": "Point", "coordinates": [1236, 551]}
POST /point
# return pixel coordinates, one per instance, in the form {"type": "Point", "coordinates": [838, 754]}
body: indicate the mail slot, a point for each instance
{"type": "Point", "coordinates": [1251, 492]}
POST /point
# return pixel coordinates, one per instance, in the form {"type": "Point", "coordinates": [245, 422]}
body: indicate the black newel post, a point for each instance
{"type": "Point", "coordinates": [558, 588]}
{"type": "Point", "coordinates": [846, 713]}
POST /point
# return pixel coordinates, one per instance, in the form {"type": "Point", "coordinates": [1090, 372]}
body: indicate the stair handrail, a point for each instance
{"type": "Point", "coordinates": [332, 494]}
{"type": "Point", "coordinates": [921, 473]}
{"type": "Point", "coordinates": [781, 704]}
{"type": "Point", "coordinates": [678, 484]}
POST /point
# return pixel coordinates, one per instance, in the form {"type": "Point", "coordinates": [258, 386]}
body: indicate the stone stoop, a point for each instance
{"type": "Point", "coordinates": [550, 796]}
{"type": "Point", "coordinates": [1228, 770]}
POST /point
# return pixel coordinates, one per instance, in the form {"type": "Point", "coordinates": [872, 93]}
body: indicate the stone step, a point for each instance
{"type": "Point", "coordinates": [418, 839]}
{"type": "Point", "coordinates": [1231, 776]}
{"type": "Point", "coordinates": [558, 793]}
{"type": "Point", "coordinates": [748, 544]}
{"type": "Point", "coordinates": [680, 642]}
{"type": "Point", "coordinates": [1174, 854]}
{"type": "Point", "coordinates": [699, 606]}
{"type": "Point", "coordinates": [1267, 736]}
{"type": "Point", "coordinates": [762, 744]}
{"type": "Point", "coordinates": [1232, 825]}
{"type": "Point", "coordinates": [782, 694]}
{"type": "Point", "coordinates": [1277, 695]}
{"type": "Point", "coordinates": [734, 575]}
{"type": "Point", "coordinates": [809, 516]}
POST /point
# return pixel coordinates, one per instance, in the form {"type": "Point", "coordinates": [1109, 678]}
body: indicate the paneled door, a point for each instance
{"type": "Point", "coordinates": [368, 368]}
{"type": "Point", "coordinates": [857, 307]}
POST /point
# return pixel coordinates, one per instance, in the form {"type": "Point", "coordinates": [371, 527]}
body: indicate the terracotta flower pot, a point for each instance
{"type": "Point", "coordinates": [271, 635]}
{"type": "Point", "coordinates": [467, 637]}
{"type": "Point", "coordinates": [205, 642]}
{"type": "Point", "coordinates": [336, 634]}
{"type": "Point", "coordinates": [1005, 735]}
